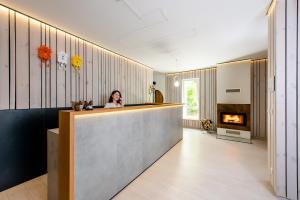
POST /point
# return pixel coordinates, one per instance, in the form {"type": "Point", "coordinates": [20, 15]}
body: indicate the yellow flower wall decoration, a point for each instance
{"type": "Point", "coordinates": [76, 62]}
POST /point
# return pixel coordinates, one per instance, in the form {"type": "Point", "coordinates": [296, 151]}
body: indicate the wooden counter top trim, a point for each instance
{"type": "Point", "coordinates": [66, 144]}
{"type": "Point", "coordinates": [104, 110]}
{"type": "Point", "coordinates": [66, 156]}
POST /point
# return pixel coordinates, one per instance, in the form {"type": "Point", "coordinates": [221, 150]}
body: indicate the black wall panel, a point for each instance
{"type": "Point", "coordinates": [23, 144]}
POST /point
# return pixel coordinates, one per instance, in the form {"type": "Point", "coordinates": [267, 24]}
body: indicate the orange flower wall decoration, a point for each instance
{"type": "Point", "coordinates": [44, 53]}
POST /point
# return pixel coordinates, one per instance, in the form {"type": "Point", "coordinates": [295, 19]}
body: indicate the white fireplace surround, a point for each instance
{"type": "Point", "coordinates": [232, 77]}
{"type": "Point", "coordinates": [234, 87]}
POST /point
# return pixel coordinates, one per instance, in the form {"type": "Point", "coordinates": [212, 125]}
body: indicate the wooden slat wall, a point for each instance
{"type": "Point", "coordinates": [284, 55]}
{"type": "Point", "coordinates": [27, 83]}
{"type": "Point", "coordinates": [22, 62]}
{"type": "Point", "coordinates": [207, 93]}
{"type": "Point", "coordinates": [4, 58]}
{"type": "Point", "coordinates": [259, 92]}
{"type": "Point", "coordinates": [271, 97]}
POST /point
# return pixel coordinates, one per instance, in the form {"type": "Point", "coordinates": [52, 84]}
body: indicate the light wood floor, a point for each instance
{"type": "Point", "coordinates": [199, 167]}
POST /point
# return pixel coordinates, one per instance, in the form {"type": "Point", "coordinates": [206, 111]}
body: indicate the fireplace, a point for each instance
{"type": "Point", "coordinates": [234, 116]}
{"type": "Point", "coordinates": [239, 119]}
{"type": "Point", "coordinates": [234, 97]}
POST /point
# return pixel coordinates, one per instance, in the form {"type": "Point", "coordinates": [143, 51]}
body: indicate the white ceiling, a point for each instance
{"type": "Point", "coordinates": [196, 33]}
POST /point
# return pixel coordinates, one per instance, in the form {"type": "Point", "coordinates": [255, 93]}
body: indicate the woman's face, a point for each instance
{"type": "Point", "coordinates": [116, 96]}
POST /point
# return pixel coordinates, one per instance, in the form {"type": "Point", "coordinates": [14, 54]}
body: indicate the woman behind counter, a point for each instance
{"type": "Point", "coordinates": [115, 100]}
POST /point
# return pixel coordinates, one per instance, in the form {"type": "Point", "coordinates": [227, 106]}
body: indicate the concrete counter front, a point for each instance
{"type": "Point", "coordinates": [102, 151]}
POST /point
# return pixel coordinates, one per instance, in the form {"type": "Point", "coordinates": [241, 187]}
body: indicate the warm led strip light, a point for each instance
{"type": "Point", "coordinates": [201, 69]}
{"type": "Point", "coordinates": [224, 63]}
{"type": "Point", "coordinates": [4, 8]}
{"type": "Point", "coordinates": [118, 111]}
{"type": "Point", "coordinates": [236, 61]}
{"type": "Point", "coordinates": [271, 7]}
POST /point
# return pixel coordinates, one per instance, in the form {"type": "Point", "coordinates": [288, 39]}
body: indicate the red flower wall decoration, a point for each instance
{"type": "Point", "coordinates": [44, 53]}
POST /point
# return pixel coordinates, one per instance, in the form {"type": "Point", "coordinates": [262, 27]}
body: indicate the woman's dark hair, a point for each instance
{"type": "Point", "coordinates": [111, 98]}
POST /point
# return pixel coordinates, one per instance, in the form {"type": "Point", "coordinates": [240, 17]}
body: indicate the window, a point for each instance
{"type": "Point", "coordinates": [190, 98]}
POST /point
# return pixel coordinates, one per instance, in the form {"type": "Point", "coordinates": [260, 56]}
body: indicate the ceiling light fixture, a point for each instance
{"type": "Point", "coordinates": [176, 81]}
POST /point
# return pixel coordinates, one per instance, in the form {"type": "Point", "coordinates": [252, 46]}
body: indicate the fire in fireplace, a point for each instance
{"type": "Point", "coordinates": [233, 118]}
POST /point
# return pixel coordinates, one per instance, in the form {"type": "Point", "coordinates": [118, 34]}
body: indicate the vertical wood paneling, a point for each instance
{"type": "Point", "coordinates": [138, 94]}
{"type": "Point", "coordinates": [133, 74]}
{"type": "Point", "coordinates": [89, 72]}
{"type": "Point", "coordinates": [95, 74]}
{"type": "Point", "coordinates": [84, 70]}
{"type": "Point", "coordinates": [128, 97]}
{"type": "Point", "coordinates": [298, 101]}
{"type": "Point", "coordinates": [258, 106]}
{"type": "Point", "coordinates": [81, 71]}
{"type": "Point", "coordinates": [35, 65]}
{"type": "Point", "coordinates": [145, 83]}
{"type": "Point", "coordinates": [61, 88]}
{"type": "Point", "coordinates": [134, 89]}
{"type": "Point", "coordinates": [141, 93]}
{"type": "Point", "coordinates": [105, 75]}
{"type": "Point", "coordinates": [26, 82]}
{"type": "Point", "coordinates": [53, 74]}
{"type": "Point", "coordinates": [12, 60]}
{"type": "Point", "coordinates": [284, 56]}
{"type": "Point", "coordinates": [72, 70]}
{"type": "Point", "coordinates": [120, 75]}
{"type": "Point", "coordinates": [271, 99]}
{"type": "Point", "coordinates": [254, 98]}
{"type": "Point", "coordinates": [106, 78]}
{"type": "Point", "coordinates": [117, 73]}
{"type": "Point", "coordinates": [132, 94]}
{"type": "Point", "coordinates": [114, 73]}
{"type": "Point", "coordinates": [101, 75]}
{"type": "Point", "coordinates": [47, 71]}
{"type": "Point", "coordinates": [77, 73]}
{"type": "Point", "coordinates": [280, 141]}
{"type": "Point", "coordinates": [68, 73]}
{"type": "Point", "coordinates": [43, 67]}
{"type": "Point", "coordinates": [291, 98]}
{"type": "Point", "coordinates": [4, 58]}
{"type": "Point", "coordinates": [109, 72]}
{"type": "Point", "coordinates": [262, 100]}
{"type": "Point", "coordinates": [22, 60]}
{"type": "Point", "coordinates": [122, 79]}
{"type": "Point", "coordinates": [202, 95]}
{"type": "Point", "coordinates": [99, 63]}
{"type": "Point", "coordinates": [126, 81]}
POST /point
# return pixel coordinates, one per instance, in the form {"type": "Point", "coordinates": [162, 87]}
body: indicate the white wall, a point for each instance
{"type": "Point", "coordinates": [160, 79]}
{"type": "Point", "coordinates": [235, 75]}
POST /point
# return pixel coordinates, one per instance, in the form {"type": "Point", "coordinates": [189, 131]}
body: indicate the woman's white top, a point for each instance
{"type": "Point", "coordinates": [113, 105]}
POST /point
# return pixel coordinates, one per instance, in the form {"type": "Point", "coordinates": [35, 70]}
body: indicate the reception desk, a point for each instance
{"type": "Point", "coordinates": [101, 151]}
